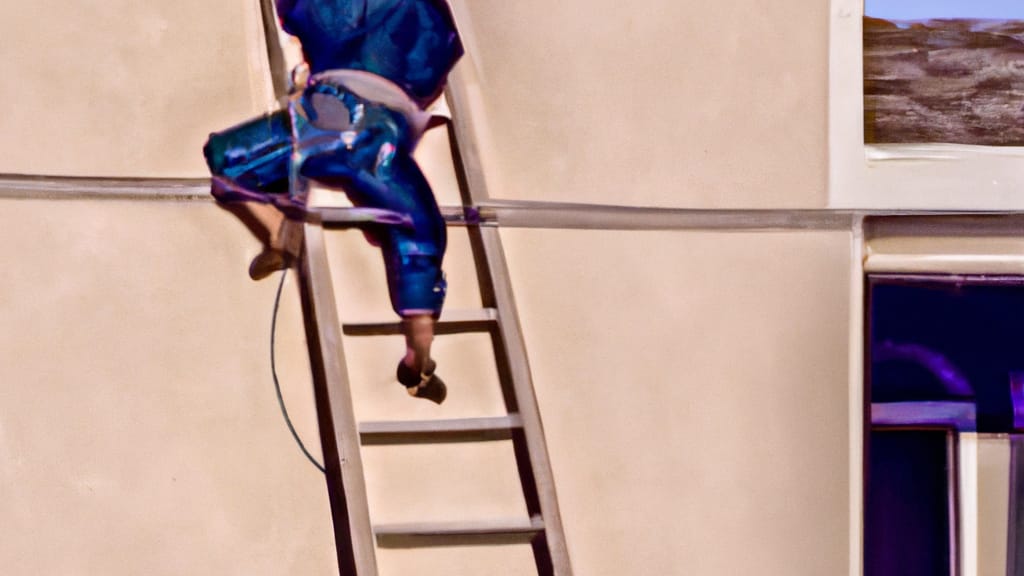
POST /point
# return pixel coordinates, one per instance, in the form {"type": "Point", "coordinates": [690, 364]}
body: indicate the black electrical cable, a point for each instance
{"type": "Point", "coordinates": [277, 383]}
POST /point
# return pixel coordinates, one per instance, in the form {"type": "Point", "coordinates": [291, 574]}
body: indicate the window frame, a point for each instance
{"type": "Point", "coordinates": [903, 177]}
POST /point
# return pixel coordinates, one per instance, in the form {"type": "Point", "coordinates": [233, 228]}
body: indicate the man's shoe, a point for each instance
{"type": "Point", "coordinates": [424, 384]}
{"type": "Point", "coordinates": [267, 262]}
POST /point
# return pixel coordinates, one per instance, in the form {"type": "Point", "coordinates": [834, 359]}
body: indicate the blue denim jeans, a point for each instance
{"type": "Point", "coordinates": [363, 148]}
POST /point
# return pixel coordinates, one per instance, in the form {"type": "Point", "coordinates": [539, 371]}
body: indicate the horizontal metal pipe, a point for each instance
{"type": "Point", "coordinates": [78, 188]}
{"type": "Point", "coordinates": [533, 214]}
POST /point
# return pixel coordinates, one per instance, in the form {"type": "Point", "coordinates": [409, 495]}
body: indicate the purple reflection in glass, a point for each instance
{"type": "Point", "coordinates": [1017, 397]}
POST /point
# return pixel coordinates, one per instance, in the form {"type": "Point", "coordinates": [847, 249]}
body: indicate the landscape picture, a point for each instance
{"type": "Point", "coordinates": [944, 72]}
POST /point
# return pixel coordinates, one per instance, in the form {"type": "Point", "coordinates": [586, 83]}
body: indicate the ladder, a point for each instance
{"type": "Point", "coordinates": [342, 436]}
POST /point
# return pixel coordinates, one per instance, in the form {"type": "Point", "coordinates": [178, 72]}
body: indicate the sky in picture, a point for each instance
{"type": "Point", "coordinates": [925, 9]}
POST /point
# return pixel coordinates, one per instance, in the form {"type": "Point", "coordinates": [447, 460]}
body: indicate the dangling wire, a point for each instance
{"type": "Point", "coordinates": [277, 384]}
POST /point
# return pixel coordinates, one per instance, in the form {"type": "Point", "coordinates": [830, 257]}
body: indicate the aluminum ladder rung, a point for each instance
{"type": "Point", "coordinates": [451, 322]}
{"type": "Point", "coordinates": [417, 535]}
{"type": "Point", "coordinates": [439, 431]}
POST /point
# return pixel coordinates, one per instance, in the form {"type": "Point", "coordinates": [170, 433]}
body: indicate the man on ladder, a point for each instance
{"type": "Point", "coordinates": [375, 66]}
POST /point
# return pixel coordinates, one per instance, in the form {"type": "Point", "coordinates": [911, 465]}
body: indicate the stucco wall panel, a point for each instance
{"type": "Point", "coordinates": [125, 88]}
{"type": "Point", "coordinates": [139, 431]}
{"type": "Point", "coordinates": [682, 104]}
{"type": "Point", "coordinates": [694, 393]}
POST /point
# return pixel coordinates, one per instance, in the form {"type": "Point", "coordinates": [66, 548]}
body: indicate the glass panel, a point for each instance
{"type": "Point", "coordinates": [906, 517]}
{"type": "Point", "coordinates": [947, 398]}
{"type": "Point", "coordinates": [930, 82]}
{"type": "Point", "coordinates": [948, 340]}
{"type": "Point", "coordinates": [943, 72]}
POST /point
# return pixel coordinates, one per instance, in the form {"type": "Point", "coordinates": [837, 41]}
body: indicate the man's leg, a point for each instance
{"type": "Point", "coordinates": [419, 335]}
{"type": "Point", "coordinates": [416, 370]}
{"type": "Point", "coordinates": [249, 165]}
{"type": "Point", "coordinates": [280, 236]}
{"type": "Point", "coordinates": [377, 171]}
{"type": "Point", "coordinates": [417, 290]}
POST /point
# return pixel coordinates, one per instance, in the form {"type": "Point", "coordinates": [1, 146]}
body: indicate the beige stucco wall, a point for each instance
{"type": "Point", "coordinates": [139, 431]}
{"type": "Point", "coordinates": [691, 104]}
{"type": "Point", "coordinates": [139, 412]}
{"type": "Point", "coordinates": [124, 88]}
{"type": "Point", "coordinates": [693, 387]}
{"type": "Point", "coordinates": [660, 103]}
{"type": "Point", "coordinates": [693, 384]}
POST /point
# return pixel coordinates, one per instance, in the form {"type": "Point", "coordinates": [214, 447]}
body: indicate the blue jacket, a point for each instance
{"type": "Point", "coordinates": [413, 43]}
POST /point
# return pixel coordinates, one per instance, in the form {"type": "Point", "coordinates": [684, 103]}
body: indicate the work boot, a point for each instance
{"type": "Point", "coordinates": [267, 262]}
{"type": "Point", "coordinates": [281, 252]}
{"type": "Point", "coordinates": [424, 384]}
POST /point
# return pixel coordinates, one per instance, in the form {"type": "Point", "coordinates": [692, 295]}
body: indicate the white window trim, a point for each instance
{"type": "Point", "coordinates": [911, 177]}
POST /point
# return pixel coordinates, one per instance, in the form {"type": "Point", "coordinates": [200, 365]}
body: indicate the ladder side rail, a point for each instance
{"type": "Point", "coordinates": [529, 410]}
{"type": "Point", "coordinates": [468, 166]}
{"type": "Point", "coordinates": [339, 434]}
{"type": "Point", "coordinates": [469, 170]}
{"type": "Point", "coordinates": [472, 188]}
{"type": "Point", "coordinates": [550, 549]}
